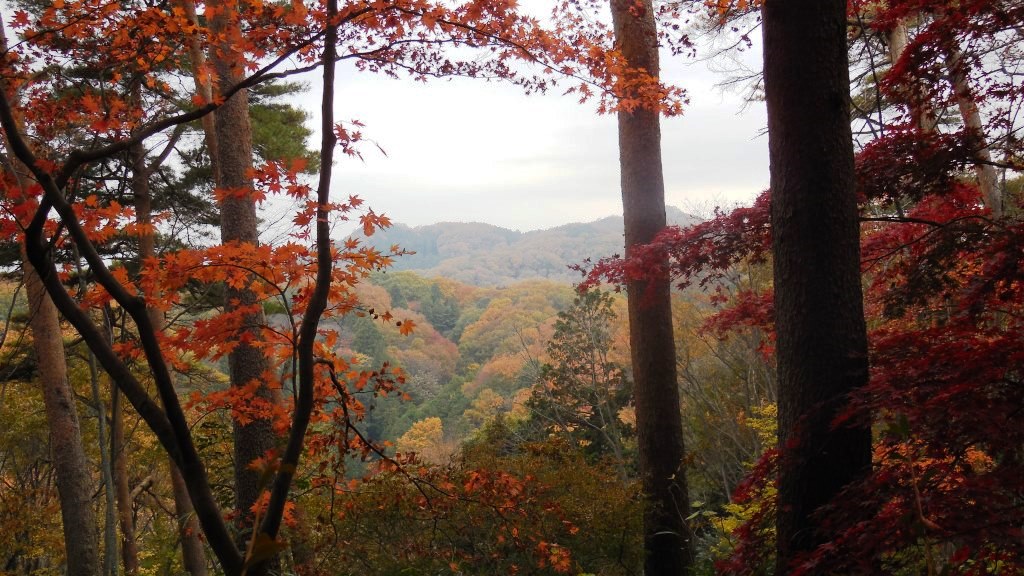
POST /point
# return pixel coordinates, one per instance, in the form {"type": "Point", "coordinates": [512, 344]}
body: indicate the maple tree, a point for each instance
{"type": "Point", "coordinates": [106, 88]}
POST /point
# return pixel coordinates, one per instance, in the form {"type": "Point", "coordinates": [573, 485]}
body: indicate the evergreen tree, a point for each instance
{"type": "Point", "coordinates": [581, 392]}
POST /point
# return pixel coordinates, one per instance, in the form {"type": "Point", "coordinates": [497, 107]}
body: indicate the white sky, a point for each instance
{"type": "Point", "coordinates": [466, 150]}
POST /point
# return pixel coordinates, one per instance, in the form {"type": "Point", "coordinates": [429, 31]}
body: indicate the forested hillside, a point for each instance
{"type": "Point", "coordinates": [200, 375]}
{"type": "Point", "coordinates": [485, 255]}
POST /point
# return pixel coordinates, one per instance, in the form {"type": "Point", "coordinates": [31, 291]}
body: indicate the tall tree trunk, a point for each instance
{"type": "Point", "coordinates": [988, 180]}
{"type": "Point", "coordinates": [821, 340]}
{"type": "Point", "coordinates": [239, 224]}
{"type": "Point", "coordinates": [668, 546]}
{"type": "Point", "coordinates": [74, 479]}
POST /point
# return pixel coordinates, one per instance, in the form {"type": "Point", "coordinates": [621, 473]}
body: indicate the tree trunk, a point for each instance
{"type": "Point", "coordinates": [110, 544]}
{"type": "Point", "coordinates": [204, 88]}
{"type": "Point", "coordinates": [988, 180]}
{"type": "Point", "coordinates": [821, 340]}
{"type": "Point", "coordinates": [193, 554]}
{"type": "Point", "coordinates": [239, 224]}
{"type": "Point", "coordinates": [106, 468]}
{"type": "Point", "coordinates": [129, 547]}
{"type": "Point", "coordinates": [74, 479]}
{"type": "Point", "coordinates": [668, 546]}
{"type": "Point", "coordinates": [924, 115]}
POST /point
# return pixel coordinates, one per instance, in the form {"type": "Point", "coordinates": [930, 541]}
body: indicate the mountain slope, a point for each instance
{"type": "Point", "coordinates": [486, 255]}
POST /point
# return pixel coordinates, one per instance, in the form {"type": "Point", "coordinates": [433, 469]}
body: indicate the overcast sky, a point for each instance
{"type": "Point", "coordinates": [466, 150]}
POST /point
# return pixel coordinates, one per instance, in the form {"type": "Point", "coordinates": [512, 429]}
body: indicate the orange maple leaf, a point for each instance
{"type": "Point", "coordinates": [406, 327]}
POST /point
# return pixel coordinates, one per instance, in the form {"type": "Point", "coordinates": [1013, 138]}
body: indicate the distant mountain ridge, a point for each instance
{"type": "Point", "coordinates": [488, 255]}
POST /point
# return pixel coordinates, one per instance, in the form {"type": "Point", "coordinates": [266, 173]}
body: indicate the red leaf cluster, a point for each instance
{"type": "Point", "coordinates": [945, 304]}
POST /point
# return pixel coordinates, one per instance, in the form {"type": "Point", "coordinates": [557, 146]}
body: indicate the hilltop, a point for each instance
{"type": "Point", "coordinates": [487, 255]}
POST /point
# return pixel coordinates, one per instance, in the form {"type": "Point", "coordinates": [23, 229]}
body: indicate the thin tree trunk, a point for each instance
{"type": "Point", "coordinates": [924, 115]}
{"type": "Point", "coordinates": [985, 172]}
{"type": "Point", "coordinates": [821, 340]}
{"type": "Point", "coordinates": [106, 467]}
{"type": "Point", "coordinates": [126, 518]}
{"type": "Point", "coordinates": [239, 224]}
{"type": "Point", "coordinates": [988, 180]}
{"type": "Point", "coordinates": [204, 87]}
{"type": "Point", "coordinates": [193, 555]}
{"type": "Point", "coordinates": [668, 546]}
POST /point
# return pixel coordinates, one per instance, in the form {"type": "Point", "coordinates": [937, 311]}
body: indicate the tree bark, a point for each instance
{"type": "Point", "coordinates": [821, 340]}
{"type": "Point", "coordinates": [239, 224]}
{"type": "Point", "coordinates": [668, 546]}
{"type": "Point", "coordinates": [126, 517]}
{"type": "Point", "coordinates": [988, 180]}
{"type": "Point", "coordinates": [74, 480]}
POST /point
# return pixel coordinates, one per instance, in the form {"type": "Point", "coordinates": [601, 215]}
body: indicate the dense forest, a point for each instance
{"type": "Point", "coordinates": [827, 381]}
{"type": "Point", "coordinates": [482, 254]}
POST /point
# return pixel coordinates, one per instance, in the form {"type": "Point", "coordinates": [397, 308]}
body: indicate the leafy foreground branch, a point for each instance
{"type": "Point", "coordinates": [93, 82]}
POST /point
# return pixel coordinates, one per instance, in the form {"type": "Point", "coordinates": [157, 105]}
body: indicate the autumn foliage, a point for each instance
{"type": "Point", "coordinates": [943, 298]}
{"type": "Point", "coordinates": [86, 84]}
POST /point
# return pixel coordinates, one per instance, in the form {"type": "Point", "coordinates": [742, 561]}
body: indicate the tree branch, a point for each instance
{"type": "Point", "coordinates": [170, 427]}
{"type": "Point", "coordinates": [321, 289]}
